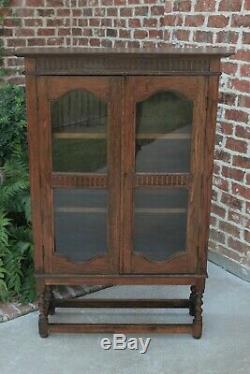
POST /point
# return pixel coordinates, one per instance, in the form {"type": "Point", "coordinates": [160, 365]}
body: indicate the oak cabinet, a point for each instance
{"type": "Point", "coordinates": [121, 157]}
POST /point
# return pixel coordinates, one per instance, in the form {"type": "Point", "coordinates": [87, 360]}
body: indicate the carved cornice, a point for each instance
{"type": "Point", "coordinates": [121, 65]}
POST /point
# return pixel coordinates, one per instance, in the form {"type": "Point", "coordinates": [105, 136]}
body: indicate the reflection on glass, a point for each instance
{"type": "Point", "coordinates": [80, 223]}
{"type": "Point", "coordinates": [163, 133]}
{"type": "Point", "coordinates": [160, 222]}
{"type": "Point", "coordinates": [79, 133]}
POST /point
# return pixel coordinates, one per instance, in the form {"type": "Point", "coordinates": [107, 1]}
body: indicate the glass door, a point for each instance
{"type": "Point", "coordinates": [81, 174]}
{"type": "Point", "coordinates": [162, 135]}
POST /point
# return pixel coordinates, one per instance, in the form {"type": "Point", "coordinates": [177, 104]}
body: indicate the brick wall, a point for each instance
{"type": "Point", "coordinates": [105, 23]}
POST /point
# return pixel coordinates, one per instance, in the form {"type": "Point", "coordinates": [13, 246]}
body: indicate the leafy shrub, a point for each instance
{"type": "Point", "coordinates": [12, 121]}
{"type": "Point", "coordinates": [16, 247]}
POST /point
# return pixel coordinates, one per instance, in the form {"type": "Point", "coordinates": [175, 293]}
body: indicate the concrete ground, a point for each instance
{"type": "Point", "coordinates": [224, 347]}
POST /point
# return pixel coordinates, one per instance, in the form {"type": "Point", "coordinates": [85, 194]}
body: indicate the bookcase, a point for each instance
{"type": "Point", "coordinates": [121, 157]}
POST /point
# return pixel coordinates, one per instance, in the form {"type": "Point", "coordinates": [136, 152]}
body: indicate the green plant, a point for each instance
{"type": "Point", "coordinates": [12, 121]}
{"type": "Point", "coordinates": [16, 248]}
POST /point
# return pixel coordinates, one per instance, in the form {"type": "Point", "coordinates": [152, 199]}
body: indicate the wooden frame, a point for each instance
{"type": "Point", "coordinates": [121, 78]}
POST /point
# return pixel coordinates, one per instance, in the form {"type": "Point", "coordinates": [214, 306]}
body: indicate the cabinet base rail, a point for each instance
{"type": "Point", "coordinates": [48, 305]}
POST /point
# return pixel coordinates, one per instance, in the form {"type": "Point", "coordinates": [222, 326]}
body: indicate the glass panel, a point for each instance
{"type": "Point", "coordinates": [163, 134]}
{"type": "Point", "coordinates": [80, 223]}
{"type": "Point", "coordinates": [79, 133]}
{"type": "Point", "coordinates": [160, 222]}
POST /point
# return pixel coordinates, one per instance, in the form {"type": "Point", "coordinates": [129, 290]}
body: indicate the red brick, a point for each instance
{"type": "Point", "coordinates": [63, 32]}
{"type": "Point", "coordinates": [247, 5]}
{"type": "Point", "coordinates": [45, 32]}
{"type": "Point", "coordinates": [87, 12]}
{"type": "Point", "coordinates": [229, 37]}
{"type": "Point", "coordinates": [157, 10]}
{"type": "Point", "coordinates": [54, 3]}
{"type": "Point", "coordinates": [247, 236]}
{"type": "Point", "coordinates": [36, 42]}
{"type": "Point", "coordinates": [35, 3]}
{"type": "Point", "coordinates": [221, 183]}
{"type": "Point", "coordinates": [126, 12]}
{"type": "Point", "coordinates": [125, 34]}
{"type": "Point", "coordinates": [226, 128]}
{"type": "Point", "coordinates": [33, 22]}
{"type": "Point", "coordinates": [182, 5]}
{"type": "Point", "coordinates": [246, 37]}
{"type": "Point", "coordinates": [16, 42]}
{"type": "Point", "coordinates": [181, 34]}
{"type": "Point", "coordinates": [230, 5]}
{"type": "Point", "coordinates": [111, 33]}
{"type": "Point", "coordinates": [222, 155]}
{"type": "Point", "coordinates": [242, 55]}
{"type": "Point", "coordinates": [242, 132]}
{"type": "Point", "coordinates": [155, 34]}
{"type": "Point", "coordinates": [216, 169]}
{"type": "Point", "coordinates": [45, 12]}
{"type": "Point", "coordinates": [204, 6]}
{"type": "Point", "coordinates": [168, 6]}
{"type": "Point", "coordinates": [203, 36]}
{"type": "Point", "coordinates": [241, 85]}
{"type": "Point", "coordinates": [134, 22]}
{"type": "Point", "coordinates": [231, 201]}
{"type": "Point", "coordinates": [236, 115]}
{"type": "Point", "coordinates": [106, 43]}
{"type": "Point", "coordinates": [173, 20]}
{"type": "Point", "coordinates": [243, 191]}
{"type": "Point", "coordinates": [218, 21]}
{"type": "Point", "coordinates": [238, 218]}
{"type": "Point", "coordinates": [218, 236]}
{"type": "Point", "coordinates": [232, 173]}
{"type": "Point", "coordinates": [236, 145]}
{"type": "Point", "coordinates": [195, 21]}
{"type": "Point", "coordinates": [111, 12]}
{"type": "Point", "coordinates": [140, 34]}
{"type": "Point", "coordinates": [240, 21]}
{"type": "Point", "coordinates": [237, 245]}
{"type": "Point", "coordinates": [244, 101]}
{"type": "Point", "coordinates": [245, 70]}
{"type": "Point", "coordinates": [229, 229]}
{"type": "Point", "coordinates": [141, 11]}
{"type": "Point", "coordinates": [241, 162]}
{"type": "Point", "coordinates": [229, 67]}
{"type": "Point", "coordinates": [20, 31]}
{"type": "Point", "coordinates": [133, 44]}
{"type": "Point", "coordinates": [119, 2]}
{"type": "Point", "coordinates": [94, 22]}
{"type": "Point", "coordinates": [94, 42]}
{"type": "Point", "coordinates": [150, 22]}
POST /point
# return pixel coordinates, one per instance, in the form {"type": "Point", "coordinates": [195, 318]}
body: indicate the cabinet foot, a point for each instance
{"type": "Point", "coordinates": [197, 322]}
{"type": "Point", "coordinates": [43, 306]}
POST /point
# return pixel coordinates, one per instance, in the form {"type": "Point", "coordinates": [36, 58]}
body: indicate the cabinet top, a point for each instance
{"type": "Point", "coordinates": [120, 61]}
{"type": "Point", "coordinates": [171, 50]}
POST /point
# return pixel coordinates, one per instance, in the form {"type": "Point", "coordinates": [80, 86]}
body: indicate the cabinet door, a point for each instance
{"type": "Point", "coordinates": [80, 160]}
{"type": "Point", "coordinates": [162, 161]}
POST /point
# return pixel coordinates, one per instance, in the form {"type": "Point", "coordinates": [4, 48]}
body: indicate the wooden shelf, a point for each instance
{"type": "Point", "coordinates": [157, 135]}
{"type": "Point", "coordinates": [78, 135]}
{"type": "Point", "coordinates": [138, 210]}
{"type": "Point", "coordinates": [82, 135]}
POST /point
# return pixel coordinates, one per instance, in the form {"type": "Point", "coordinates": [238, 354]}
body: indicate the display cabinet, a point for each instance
{"type": "Point", "coordinates": [121, 156]}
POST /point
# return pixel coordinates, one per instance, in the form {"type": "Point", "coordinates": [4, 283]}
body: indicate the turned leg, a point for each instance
{"type": "Point", "coordinates": [197, 322]}
{"type": "Point", "coordinates": [192, 301]}
{"type": "Point", "coordinates": [43, 306]}
{"type": "Point", "coordinates": [51, 301]}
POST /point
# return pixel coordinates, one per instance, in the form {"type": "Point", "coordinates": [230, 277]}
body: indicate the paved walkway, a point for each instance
{"type": "Point", "coordinates": [224, 347]}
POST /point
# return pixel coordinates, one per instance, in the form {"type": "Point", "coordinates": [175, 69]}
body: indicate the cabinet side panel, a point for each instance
{"type": "Point", "coordinates": [209, 142]}
{"type": "Point", "coordinates": [34, 164]}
